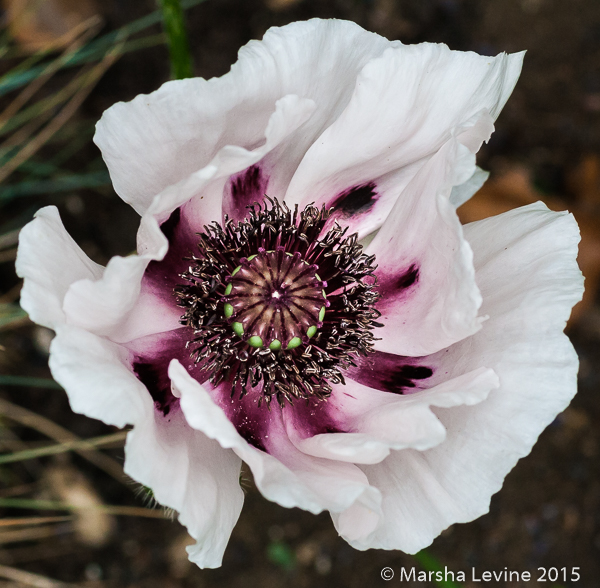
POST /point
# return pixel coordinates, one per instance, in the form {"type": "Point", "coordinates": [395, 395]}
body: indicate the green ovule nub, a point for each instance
{"type": "Point", "coordinates": [275, 299]}
{"type": "Point", "coordinates": [255, 341]}
{"type": "Point", "coordinates": [295, 342]}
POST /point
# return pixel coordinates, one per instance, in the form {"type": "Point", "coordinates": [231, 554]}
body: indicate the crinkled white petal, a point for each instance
{"type": "Point", "coordinates": [96, 375]}
{"type": "Point", "coordinates": [423, 238]}
{"type": "Point", "coordinates": [378, 422]}
{"type": "Point", "coordinates": [289, 113]}
{"type": "Point", "coordinates": [100, 305]}
{"type": "Point", "coordinates": [190, 473]}
{"type": "Point", "coordinates": [185, 470]}
{"type": "Point", "coordinates": [201, 193]}
{"type": "Point", "coordinates": [112, 305]}
{"type": "Point", "coordinates": [464, 192]}
{"type": "Point", "coordinates": [290, 478]}
{"type": "Point", "coordinates": [150, 314]}
{"type": "Point", "coordinates": [405, 106]}
{"type": "Point", "coordinates": [49, 261]}
{"type": "Point", "coordinates": [157, 140]}
{"type": "Point", "coordinates": [527, 271]}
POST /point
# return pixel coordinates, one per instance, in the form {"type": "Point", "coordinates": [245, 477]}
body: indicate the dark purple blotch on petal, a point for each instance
{"type": "Point", "coordinates": [251, 421]}
{"type": "Point", "coordinates": [247, 184]}
{"type": "Point", "coordinates": [243, 190]}
{"type": "Point", "coordinates": [408, 278]}
{"type": "Point", "coordinates": [154, 377]}
{"type": "Point", "coordinates": [393, 284]}
{"type": "Point", "coordinates": [260, 426]}
{"type": "Point", "coordinates": [391, 373]}
{"type": "Point", "coordinates": [313, 418]}
{"type": "Point", "coordinates": [151, 365]}
{"type": "Point", "coordinates": [354, 201]}
{"type": "Point", "coordinates": [162, 276]}
{"type": "Point", "coordinates": [252, 430]}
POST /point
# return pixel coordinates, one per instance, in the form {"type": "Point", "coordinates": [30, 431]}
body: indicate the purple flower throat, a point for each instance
{"type": "Point", "coordinates": [281, 300]}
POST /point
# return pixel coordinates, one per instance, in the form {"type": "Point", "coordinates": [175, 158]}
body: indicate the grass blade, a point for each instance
{"type": "Point", "coordinates": [78, 36]}
{"type": "Point", "coordinates": [9, 238]}
{"type": "Point", "coordinates": [92, 51]}
{"type": "Point", "coordinates": [128, 511]}
{"type": "Point", "coordinates": [26, 521]}
{"type": "Point", "coordinates": [60, 184]}
{"type": "Point", "coordinates": [431, 564]}
{"type": "Point", "coordinates": [24, 579]}
{"type": "Point", "coordinates": [29, 382]}
{"type": "Point", "coordinates": [10, 314]}
{"type": "Point", "coordinates": [36, 533]}
{"type": "Point", "coordinates": [87, 84]}
{"type": "Point", "coordinates": [59, 434]}
{"type": "Point", "coordinates": [62, 448]}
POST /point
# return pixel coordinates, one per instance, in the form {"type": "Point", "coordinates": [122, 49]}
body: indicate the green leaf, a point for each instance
{"type": "Point", "coordinates": [431, 564]}
{"type": "Point", "coordinates": [281, 555]}
{"type": "Point", "coordinates": [179, 47]}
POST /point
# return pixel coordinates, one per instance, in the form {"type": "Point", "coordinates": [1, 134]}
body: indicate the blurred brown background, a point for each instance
{"type": "Point", "coordinates": [546, 146]}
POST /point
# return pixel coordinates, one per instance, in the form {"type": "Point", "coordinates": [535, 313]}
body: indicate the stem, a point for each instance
{"type": "Point", "coordinates": [431, 564]}
{"type": "Point", "coordinates": [179, 47]}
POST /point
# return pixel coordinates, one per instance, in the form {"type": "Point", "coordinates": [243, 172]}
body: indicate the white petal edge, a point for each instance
{"type": "Point", "coordinates": [526, 268]}
{"type": "Point", "coordinates": [406, 105]}
{"type": "Point", "coordinates": [159, 139]}
{"type": "Point", "coordinates": [185, 470]}
{"type": "Point", "coordinates": [192, 474]}
{"type": "Point", "coordinates": [464, 192]}
{"type": "Point", "coordinates": [423, 231]}
{"type": "Point", "coordinates": [96, 375]}
{"type": "Point", "coordinates": [380, 421]}
{"type": "Point", "coordinates": [303, 481]}
{"type": "Point", "coordinates": [49, 261]}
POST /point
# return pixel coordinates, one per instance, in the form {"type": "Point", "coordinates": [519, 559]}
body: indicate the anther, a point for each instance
{"type": "Point", "coordinates": [256, 297]}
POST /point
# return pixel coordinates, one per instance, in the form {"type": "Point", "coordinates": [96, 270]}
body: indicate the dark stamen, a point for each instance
{"type": "Point", "coordinates": [277, 306]}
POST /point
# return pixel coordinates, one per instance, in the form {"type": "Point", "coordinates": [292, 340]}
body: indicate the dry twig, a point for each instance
{"type": "Point", "coordinates": [28, 579]}
{"type": "Point", "coordinates": [61, 435]}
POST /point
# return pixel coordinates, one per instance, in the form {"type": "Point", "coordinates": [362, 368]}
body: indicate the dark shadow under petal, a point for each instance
{"type": "Point", "coordinates": [252, 422]}
{"type": "Point", "coordinates": [162, 276]}
{"type": "Point", "coordinates": [150, 362]}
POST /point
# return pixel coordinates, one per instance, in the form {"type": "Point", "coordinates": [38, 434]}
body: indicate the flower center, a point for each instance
{"type": "Point", "coordinates": [275, 299]}
{"type": "Point", "coordinates": [279, 303]}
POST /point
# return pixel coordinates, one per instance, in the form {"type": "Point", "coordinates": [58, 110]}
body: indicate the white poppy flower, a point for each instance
{"type": "Point", "coordinates": [394, 387]}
